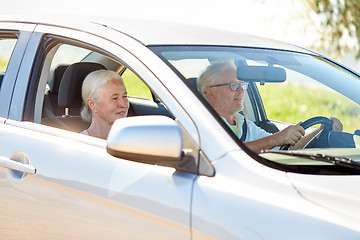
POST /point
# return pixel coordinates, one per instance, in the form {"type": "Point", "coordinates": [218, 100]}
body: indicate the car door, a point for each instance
{"type": "Point", "coordinates": [65, 185]}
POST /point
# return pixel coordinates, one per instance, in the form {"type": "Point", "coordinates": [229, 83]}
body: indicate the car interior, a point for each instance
{"type": "Point", "coordinates": [67, 64]}
{"type": "Point", "coordinates": [250, 107]}
{"type": "Point", "coordinates": [62, 100]}
{"type": "Point", "coordinates": [68, 97]}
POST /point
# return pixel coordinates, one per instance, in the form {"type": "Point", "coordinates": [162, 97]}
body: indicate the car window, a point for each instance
{"type": "Point", "coordinates": [68, 54]}
{"type": "Point", "coordinates": [303, 93]}
{"type": "Point", "coordinates": [58, 101]}
{"type": "Point", "coordinates": [190, 68]}
{"type": "Point", "coordinates": [61, 98]}
{"type": "Point", "coordinates": [6, 48]}
{"type": "Point", "coordinates": [135, 86]}
{"type": "Point", "coordinates": [302, 97]}
{"type": "Point", "coordinates": [64, 56]}
{"type": "Point", "coordinates": [284, 89]}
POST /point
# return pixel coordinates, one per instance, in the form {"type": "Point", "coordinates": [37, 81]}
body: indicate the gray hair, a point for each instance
{"type": "Point", "coordinates": [90, 86]}
{"type": "Point", "coordinates": [210, 75]}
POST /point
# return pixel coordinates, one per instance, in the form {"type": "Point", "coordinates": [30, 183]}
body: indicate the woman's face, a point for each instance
{"type": "Point", "coordinates": [112, 102]}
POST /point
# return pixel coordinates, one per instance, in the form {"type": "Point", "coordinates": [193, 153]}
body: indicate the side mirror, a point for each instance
{"type": "Point", "coordinates": [261, 74]}
{"type": "Point", "coordinates": [148, 139]}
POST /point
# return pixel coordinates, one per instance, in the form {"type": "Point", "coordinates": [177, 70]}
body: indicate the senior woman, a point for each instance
{"type": "Point", "coordinates": [104, 100]}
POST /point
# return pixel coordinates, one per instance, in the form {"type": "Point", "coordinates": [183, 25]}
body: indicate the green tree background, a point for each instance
{"type": "Point", "coordinates": [339, 26]}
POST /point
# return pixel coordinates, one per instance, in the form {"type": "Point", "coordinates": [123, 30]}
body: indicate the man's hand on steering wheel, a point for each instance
{"type": "Point", "coordinates": [327, 124]}
{"type": "Point", "coordinates": [336, 124]}
{"type": "Point", "coordinates": [290, 135]}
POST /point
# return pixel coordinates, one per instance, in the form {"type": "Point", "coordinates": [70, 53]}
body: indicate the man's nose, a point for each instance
{"type": "Point", "coordinates": [240, 89]}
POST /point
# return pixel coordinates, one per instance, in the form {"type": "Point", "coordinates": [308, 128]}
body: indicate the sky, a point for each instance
{"type": "Point", "coordinates": [284, 20]}
{"type": "Point", "coordinates": [269, 18]}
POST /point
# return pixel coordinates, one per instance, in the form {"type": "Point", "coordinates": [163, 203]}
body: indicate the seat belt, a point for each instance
{"type": "Point", "coordinates": [244, 131]}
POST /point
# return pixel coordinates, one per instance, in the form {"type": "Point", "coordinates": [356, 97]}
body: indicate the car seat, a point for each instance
{"type": "Point", "coordinates": [51, 97]}
{"type": "Point", "coordinates": [69, 96]}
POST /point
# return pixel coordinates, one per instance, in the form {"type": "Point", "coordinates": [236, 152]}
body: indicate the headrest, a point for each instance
{"type": "Point", "coordinates": [57, 76]}
{"type": "Point", "coordinates": [192, 81]}
{"type": "Point", "coordinates": [71, 83]}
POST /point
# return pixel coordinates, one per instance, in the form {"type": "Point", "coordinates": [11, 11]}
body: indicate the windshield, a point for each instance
{"type": "Point", "coordinates": [271, 92]}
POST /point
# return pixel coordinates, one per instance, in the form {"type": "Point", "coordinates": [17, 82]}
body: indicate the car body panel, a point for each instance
{"type": "Point", "coordinates": [92, 195]}
{"type": "Point", "coordinates": [338, 193]}
{"type": "Point", "coordinates": [251, 196]}
{"type": "Point", "coordinates": [159, 32]}
{"type": "Point", "coordinates": [100, 192]}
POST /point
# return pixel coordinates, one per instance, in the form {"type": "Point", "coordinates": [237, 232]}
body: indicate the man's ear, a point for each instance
{"type": "Point", "coordinates": [91, 104]}
{"type": "Point", "coordinates": [208, 93]}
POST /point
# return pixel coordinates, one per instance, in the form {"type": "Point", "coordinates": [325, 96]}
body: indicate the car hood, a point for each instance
{"type": "Point", "coordinates": [338, 193]}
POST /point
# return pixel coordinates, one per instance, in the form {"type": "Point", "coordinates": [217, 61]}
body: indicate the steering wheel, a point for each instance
{"type": "Point", "coordinates": [321, 139]}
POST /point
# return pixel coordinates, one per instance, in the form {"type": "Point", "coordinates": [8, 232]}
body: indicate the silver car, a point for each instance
{"type": "Point", "coordinates": [173, 169]}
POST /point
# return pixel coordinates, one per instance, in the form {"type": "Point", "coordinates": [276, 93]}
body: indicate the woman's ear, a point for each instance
{"type": "Point", "coordinates": [91, 104]}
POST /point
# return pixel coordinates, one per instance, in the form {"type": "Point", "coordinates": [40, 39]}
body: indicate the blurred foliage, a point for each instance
{"type": "Point", "coordinates": [340, 25]}
{"type": "Point", "coordinates": [3, 64]}
{"type": "Point", "coordinates": [295, 103]}
{"type": "Point", "coordinates": [135, 86]}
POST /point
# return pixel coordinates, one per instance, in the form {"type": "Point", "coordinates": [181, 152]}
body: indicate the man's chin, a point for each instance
{"type": "Point", "coordinates": [240, 108]}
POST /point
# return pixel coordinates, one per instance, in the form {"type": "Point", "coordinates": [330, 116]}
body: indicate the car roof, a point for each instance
{"type": "Point", "coordinates": [156, 32]}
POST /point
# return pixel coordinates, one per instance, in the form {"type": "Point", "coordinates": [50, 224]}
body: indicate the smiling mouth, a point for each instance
{"type": "Point", "coordinates": [121, 113]}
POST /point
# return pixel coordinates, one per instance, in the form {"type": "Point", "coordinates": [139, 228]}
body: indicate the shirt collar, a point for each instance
{"type": "Point", "coordinates": [238, 117]}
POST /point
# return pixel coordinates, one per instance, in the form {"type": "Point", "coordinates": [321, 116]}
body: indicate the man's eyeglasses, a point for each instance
{"type": "Point", "coordinates": [234, 86]}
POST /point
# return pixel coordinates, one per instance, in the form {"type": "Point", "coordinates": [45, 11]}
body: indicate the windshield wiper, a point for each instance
{"type": "Point", "coordinates": [338, 161]}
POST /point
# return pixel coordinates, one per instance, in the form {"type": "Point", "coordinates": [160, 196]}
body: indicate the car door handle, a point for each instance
{"type": "Point", "coordinates": [15, 164]}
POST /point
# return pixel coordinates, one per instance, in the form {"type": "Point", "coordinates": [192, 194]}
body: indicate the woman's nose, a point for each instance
{"type": "Point", "coordinates": [122, 103]}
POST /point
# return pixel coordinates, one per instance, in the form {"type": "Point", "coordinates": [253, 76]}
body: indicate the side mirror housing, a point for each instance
{"type": "Point", "coordinates": [150, 139]}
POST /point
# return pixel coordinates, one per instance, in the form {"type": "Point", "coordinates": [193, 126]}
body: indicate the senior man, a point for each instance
{"type": "Point", "coordinates": [225, 93]}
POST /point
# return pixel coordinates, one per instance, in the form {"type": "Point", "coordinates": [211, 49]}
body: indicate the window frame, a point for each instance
{"type": "Point", "coordinates": [124, 50]}
{"type": "Point", "coordinates": [23, 34]}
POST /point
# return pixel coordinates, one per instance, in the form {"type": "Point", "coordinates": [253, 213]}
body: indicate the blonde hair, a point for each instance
{"type": "Point", "coordinates": [210, 75]}
{"type": "Point", "coordinates": [90, 89]}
